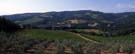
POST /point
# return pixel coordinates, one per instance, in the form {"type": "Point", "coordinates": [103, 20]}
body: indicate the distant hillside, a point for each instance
{"type": "Point", "coordinates": [109, 22]}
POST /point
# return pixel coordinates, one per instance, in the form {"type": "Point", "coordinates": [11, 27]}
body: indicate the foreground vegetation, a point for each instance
{"type": "Point", "coordinates": [13, 44]}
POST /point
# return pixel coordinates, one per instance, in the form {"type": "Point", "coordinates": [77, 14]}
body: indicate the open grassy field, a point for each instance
{"type": "Point", "coordinates": [50, 35]}
{"type": "Point", "coordinates": [110, 39]}
{"type": "Point", "coordinates": [63, 35]}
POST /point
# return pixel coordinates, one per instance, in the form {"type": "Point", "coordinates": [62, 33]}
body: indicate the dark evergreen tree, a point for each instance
{"type": "Point", "coordinates": [7, 25]}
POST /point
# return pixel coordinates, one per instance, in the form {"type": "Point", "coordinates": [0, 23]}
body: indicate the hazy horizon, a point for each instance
{"type": "Point", "coordinates": [8, 7]}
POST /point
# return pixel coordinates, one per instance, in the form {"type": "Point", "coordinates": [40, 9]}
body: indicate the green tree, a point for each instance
{"type": "Point", "coordinates": [7, 25]}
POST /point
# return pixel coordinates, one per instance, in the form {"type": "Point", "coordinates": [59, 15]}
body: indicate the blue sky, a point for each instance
{"type": "Point", "coordinates": [24, 6]}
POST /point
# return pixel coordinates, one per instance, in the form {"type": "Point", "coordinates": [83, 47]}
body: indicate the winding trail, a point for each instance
{"type": "Point", "coordinates": [87, 39]}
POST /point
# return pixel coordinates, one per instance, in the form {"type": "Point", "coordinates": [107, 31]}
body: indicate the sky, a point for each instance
{"type": "Point", "coordinates": [32, 6]}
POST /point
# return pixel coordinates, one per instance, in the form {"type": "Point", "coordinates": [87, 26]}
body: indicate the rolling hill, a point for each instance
{"type": "Point", "coordinates": [113, 23]}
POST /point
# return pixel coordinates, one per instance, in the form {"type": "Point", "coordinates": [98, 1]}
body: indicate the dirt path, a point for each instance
{"type": "Point", "coordinates": [85, 38]}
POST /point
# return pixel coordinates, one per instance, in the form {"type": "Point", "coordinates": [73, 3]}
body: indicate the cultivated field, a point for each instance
{"type": "Point", "coordinates": [104, 39]}
{"type": "Point", "coordinates": [50, 35]}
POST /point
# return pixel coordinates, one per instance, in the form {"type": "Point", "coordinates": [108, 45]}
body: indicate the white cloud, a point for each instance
{"type": "Point", "coordinates": [12, 8]}
{"type": "Point", "coordinates": [9, 7]}
{"type": "Point", "coordinates": [18, 6]}
{"type": "Point", "coordinates": [128, 6]}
